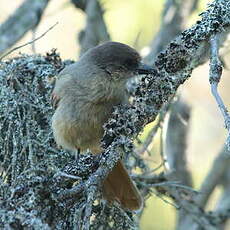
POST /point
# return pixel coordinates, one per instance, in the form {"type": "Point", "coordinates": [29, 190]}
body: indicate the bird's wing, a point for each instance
{"type": "Point", "coordinates": [54, 100]}
{"type": "Point", "coordinates": [61, 82]}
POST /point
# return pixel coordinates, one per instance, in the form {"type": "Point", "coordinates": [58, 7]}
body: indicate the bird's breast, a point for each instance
{"type": "Point", "coordinates": [80, 125]}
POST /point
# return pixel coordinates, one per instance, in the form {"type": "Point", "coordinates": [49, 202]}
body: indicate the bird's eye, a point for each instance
{"type": "Point", "coordinates": [130, 63]}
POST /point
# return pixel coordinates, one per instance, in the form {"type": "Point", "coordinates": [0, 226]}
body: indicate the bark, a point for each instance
{"type": "Point", "coordinates": [174, 19]}
{"type": "Point", "coordinates": [24, 19]}
{"type": "Point", "coordinates": [95, 31]}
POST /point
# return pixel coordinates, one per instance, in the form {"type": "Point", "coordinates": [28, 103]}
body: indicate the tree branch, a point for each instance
{"type": "Point", "coordinates": [175, 149]}
{"type": "Point", "coordinates": [25, 18]}
{"type": "Point", "coordinates": [214, 78]}
{"type": "Point", "coordinates": [95, 31]}
{"type": "Point", "coordinates": [174, 20]}
{"type": "Point", "coordinates": [28, 43]}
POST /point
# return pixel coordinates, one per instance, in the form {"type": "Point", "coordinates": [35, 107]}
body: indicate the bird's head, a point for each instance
{"type": "Point", "coordinates": [118, 60]}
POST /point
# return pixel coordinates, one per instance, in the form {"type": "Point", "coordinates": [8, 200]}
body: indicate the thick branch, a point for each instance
{"type": "Point", "coordinates": [174, 20]}
{"type": "Point", "coordinates": [95, 31]}
{"type": "Point", "coordinates": [176, 143]}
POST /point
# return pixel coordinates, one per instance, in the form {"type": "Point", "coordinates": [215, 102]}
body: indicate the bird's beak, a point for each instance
{"type": "Point", "coordinates": [145, 69]}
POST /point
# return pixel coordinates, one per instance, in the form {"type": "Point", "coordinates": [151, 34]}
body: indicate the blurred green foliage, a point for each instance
{"type": "Point", "coordinates": [158, 215]}
{"type": "Point", "coordinates": [133, 22]}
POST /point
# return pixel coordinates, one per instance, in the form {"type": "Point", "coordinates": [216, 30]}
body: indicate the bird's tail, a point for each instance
{"type": "Point", "coordinates": [118, 186]}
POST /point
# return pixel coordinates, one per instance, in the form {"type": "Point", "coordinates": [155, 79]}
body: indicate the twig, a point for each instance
{"type": "Point", "coordinates": [149, 139]}
{"type": "Point", "coordinates": [196, 213]}
{"type": "Point", "coordinates": [73, 192]}
{"type": "Point", "coordinates": [166, 201]}
{"type": "Point", "coordinates": [176, 184]}
{"type": "Point", "coordinates": [26, 17]}
{"type": "Point", "coordinates": [63, 174]}
{"type": "Point", "coordinates": [215, 73]}
{"type": "Point", "coordinates": [91, 194]}
{"type": "Point", "coordinates": [28, 43]}
{"type": "Point", "coordinates": [30, 146]}
{"type": "Point", "coordinates": [162, 155]}
{"type": "Point", "coordinates": [158, 167]}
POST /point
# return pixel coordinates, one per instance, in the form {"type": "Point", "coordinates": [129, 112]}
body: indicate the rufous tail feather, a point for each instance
{"type": "Point", "coordinates": [118, 186]}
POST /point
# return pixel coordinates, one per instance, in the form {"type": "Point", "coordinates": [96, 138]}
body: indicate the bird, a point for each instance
{"type": "Point", "coordinates": [84, 97]}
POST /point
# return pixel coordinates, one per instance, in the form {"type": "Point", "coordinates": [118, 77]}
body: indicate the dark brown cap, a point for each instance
{"type": "Point", "coordinates": [115, 56]}
{"type": "Point", "coordinates": [115, 53]}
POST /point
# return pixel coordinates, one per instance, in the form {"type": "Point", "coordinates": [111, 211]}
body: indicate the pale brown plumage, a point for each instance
{"type": "Point", "coordinates": [85, 94]}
